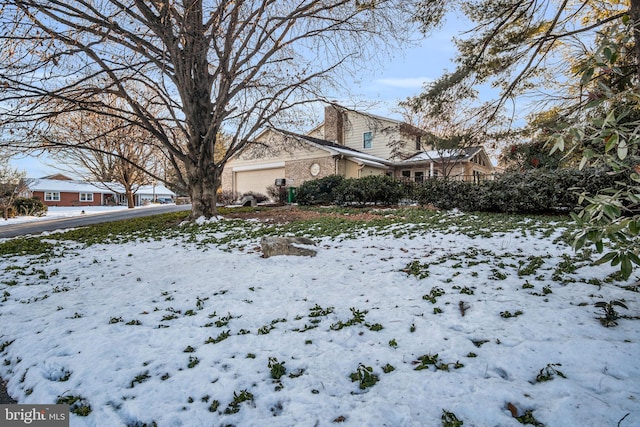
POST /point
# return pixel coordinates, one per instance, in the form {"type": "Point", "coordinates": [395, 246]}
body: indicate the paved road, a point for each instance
{"type": "Point", "coordinates": [37, 227]}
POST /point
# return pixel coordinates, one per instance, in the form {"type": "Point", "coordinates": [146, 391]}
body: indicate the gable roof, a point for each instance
{"type": "Point", "coordinates": [337, 149]}
{"type": "Point", "coordinates": [68, 186]}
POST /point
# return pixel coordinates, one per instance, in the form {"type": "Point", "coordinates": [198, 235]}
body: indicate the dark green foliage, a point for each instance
{"type": "Point", "coordinates": [30, 207]}
{"type": "Point", "coordinates": [610, 316]}
{"type": "Point", "coordinates": [278, 370]}
{"type": "Point", "coordinates": [449, 419]}
{"type": "Point", "coordinates": [318, 191]}
{"type": "Point", "coordinates": [377, 189]}
{"type": "Point", "coordinates": [534, 191]}
{"type": "Point", "coordinates": [449, 194]}
{"type": "Point", "coordinates": [372, 189]}
{"type": "Point", "coordinates": [238, 399]}
{"type": "Point", "coordinates": [77, 404]}
{"type": "Point", "coordinates": [364, 376]}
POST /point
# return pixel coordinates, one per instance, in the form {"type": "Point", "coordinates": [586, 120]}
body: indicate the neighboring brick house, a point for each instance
{"type": "Point", "coordinates": [59, 190]}
{"type": "Point", "coordinates": [348, 143]}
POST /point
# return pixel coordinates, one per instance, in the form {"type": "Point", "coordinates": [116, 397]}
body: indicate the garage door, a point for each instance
{"type": "Point", "coordinates": [257, 180]}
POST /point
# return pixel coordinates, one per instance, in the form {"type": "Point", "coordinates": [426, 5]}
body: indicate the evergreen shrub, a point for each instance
{"type": "Point", "coordinates": [29, 207]}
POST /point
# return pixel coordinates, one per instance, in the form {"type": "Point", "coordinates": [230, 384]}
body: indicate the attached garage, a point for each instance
{"type": "Point", "coordinates": [256, 179]}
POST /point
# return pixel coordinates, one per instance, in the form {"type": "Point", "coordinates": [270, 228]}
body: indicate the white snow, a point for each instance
{"type": "Point", "coordinates": [56, 212]}
{"type": "Point", "coordinates": [114, 324]}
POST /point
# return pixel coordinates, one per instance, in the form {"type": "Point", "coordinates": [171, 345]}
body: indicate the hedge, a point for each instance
{"type": "Point", "coordinates": [531, 192]}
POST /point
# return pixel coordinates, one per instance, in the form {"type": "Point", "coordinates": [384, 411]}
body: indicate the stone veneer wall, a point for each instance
{"type": "Point", "coordinates": [227, 179]}
{"type": "Point", "coordinates": [300, 170]}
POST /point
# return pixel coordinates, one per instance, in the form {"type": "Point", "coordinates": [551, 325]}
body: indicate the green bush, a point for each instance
{"type": "Point", "coordinates": [377, 189]}
{"type": "Point", "coordinates": [544, 191]}
{"type": "Point", "coordinates": [29, 207]}
{"type": "Point", "coordinates": [448, 194]}
{"type": "Point", "coordinates": [318, 191]}
{"type": "Point", "coordinates": [531, 192]}
{"type": "Point", "coordinates": [535, 191]}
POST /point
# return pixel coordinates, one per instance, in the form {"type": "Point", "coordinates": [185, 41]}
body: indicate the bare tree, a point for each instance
{"type": "Point", "coordinates": [105, 149]}
{"type": "Point", "coordinates": [209, 66]}
{"type": "Point", "coordinates": [449, 130]}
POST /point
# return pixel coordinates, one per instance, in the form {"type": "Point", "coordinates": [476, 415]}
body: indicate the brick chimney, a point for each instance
{"type": "Point", "coordinates": [333, 124]}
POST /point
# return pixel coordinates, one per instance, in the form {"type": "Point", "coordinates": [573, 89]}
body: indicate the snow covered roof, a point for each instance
{"type": "Point", "coordinates": [68, 186]}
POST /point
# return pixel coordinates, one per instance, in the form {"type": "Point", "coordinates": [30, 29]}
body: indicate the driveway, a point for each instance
{"type": "Point", "coordinates": [37, 227]}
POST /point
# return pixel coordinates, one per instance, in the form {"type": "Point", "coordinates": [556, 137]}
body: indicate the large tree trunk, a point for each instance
{"type": "Point", "coordinates": [130, 199]}
{"type": "Point", "coordinates": [203, 184]}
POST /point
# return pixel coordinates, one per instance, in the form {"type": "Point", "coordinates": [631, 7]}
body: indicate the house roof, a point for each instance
{"type": "Point", "coordinates": [68, 186]}
{"type": "Point", "coordinates": [337, 149]}
{"type": "Point", "coordinates": [456, 155]}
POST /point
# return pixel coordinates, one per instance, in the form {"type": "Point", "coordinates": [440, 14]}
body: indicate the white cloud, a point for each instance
{"type": "Point", "coordinates": [405, 82]}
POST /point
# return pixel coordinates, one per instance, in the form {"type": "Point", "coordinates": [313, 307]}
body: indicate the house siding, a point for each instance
{"type": "Point", "coordinates": [386, 135]}
{"type": "Point", "coordinates": [68, 199]}
{"type": "Point", "coordinates": [294, 157]}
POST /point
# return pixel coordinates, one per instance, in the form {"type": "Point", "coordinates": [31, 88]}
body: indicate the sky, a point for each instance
{"type": "Point", "coordinates": [396, 79]}
{"type": "Point", "coordinates": [174, 330]}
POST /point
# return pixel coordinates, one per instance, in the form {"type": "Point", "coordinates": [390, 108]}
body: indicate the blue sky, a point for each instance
{"type": "Point", "coordinates": [392, 81]}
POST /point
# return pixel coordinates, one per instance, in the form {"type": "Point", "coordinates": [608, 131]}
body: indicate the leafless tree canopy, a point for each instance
{"type": "Point", "coordinates": [187, 70]}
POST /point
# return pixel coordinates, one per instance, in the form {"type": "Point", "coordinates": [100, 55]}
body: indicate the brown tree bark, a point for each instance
{"type": "Point", "coordinates": [634, 13]}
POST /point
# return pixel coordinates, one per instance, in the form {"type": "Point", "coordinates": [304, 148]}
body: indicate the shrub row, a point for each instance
{"type": "Point", "coordinates": [533, 191]}
{"type": "Point", "coordinates": [376, 189]}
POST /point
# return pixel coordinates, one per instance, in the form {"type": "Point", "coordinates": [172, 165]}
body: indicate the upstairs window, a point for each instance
{"type": "Point", "coordinates": [367, 140]}
{"type": "Point", "coordinates": [418, 144]}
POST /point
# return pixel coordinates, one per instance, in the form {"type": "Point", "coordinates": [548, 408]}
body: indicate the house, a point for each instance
{"type": "Point", "coordinates": [348, 143]}
{"type": "Point", "coordinates": [58, 190]}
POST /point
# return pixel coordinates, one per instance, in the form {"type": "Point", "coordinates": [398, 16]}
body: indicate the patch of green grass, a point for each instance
{"type": "Point", "coordinates": [26, 246]}
{"type": "Point", "coordinates": [77, 404]}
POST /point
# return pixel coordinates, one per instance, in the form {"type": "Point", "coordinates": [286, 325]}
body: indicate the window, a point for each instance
{"type": "Point", "coordinates": [367, 140]}
{"type": "Point", "coordinates": [418, 145]}
{"type": "Point", "coordinates": [86, 197]}
{"type": "Point", "coordinates": [52, 196]}
{"type": "Point", "coordinates": [406, 175]}
{"type": "Point", "coordinates": [419, 176]}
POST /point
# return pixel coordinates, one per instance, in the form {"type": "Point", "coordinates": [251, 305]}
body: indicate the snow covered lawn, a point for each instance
{"type": "Point", "coordinates": [394, 323]}
{"type": "Point", "coordinates": [57, 212]}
